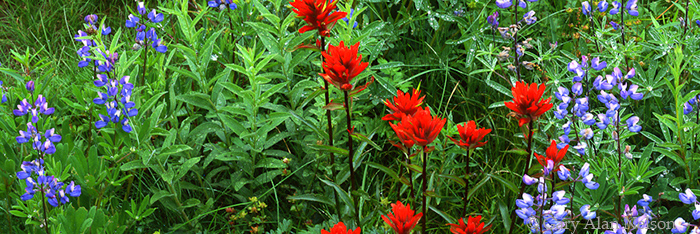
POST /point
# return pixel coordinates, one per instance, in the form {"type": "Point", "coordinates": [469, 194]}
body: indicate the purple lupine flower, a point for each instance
{"type": "Point", "coordinates": [696, 212]}
{"type": "Point", "coordinates": [567, 128]}
{"type": "Point", "coordinates": [632, 92]}
{"type": "Point", "coordinates": [84, 52]}
{"type": "Point", "coordinates": [529, 180]}
{"type": "Point", "coordinates": [30, 86]}
{"type": "Point", "coordinates": [104, 120]}
{"type": "Point", "coordinates": [646, 199]}
{"type": "Point", "coordinates": [588, 119]}
{"type": "Point", "coordinates": [603, 6]}
{"type": "Point", "coordinates": [632, 7]}
{"type": "Point", "coordinates": [597, 64]}
{"type": "Point", "coordinates": [132, 21]}
{"type": "Point", "coordinates": [581, 107]}
{"type": "Point", "coordinates": [158, 45]}
{"type": "Point", "coordinates": [493, 19]}
{"type": "Point", "coordinates": [679, 226]}
{"type": "Point", "coordinates": [604, 121]}
{"type": "Point", "coordinates": [616, 7]}
{"type": "Point", "coordinates": [586, 212]}
{"type": "Point", "coordinates": [73, 190]}
{"type": "Point", "coordinates": [91, 19]}
{"type": "Point", "coordinates": [530, 17]}
{"type": "Point", "coordinates": [26, 136]}
{"type": "Point", "coordinates": [141, 8]}
{"type": "Point", "coordinates": [2, 89]}
{"type": "Point", "coordinates": [585, 8]}
{"type": "Point", "coordinates": [581, 148]}
{"type": "Point", "coordinates": [500, 3]}
{"type": "Point", "coordinates": [563, 173]}
{"type": "Point", "coordinates": [559, 198]}
{"type": "Point", "coordinates": [526, 202]}
{"type": "Point", "coordinates": [615, 25]}
{"type": "Point", "coordinates": [632, 124]}
{"type": "Point", "coordinates": [106, 30]}
{"type": "Point", "coordinates": [587, 133]}
{"type": "Point", "coordinates": [562, 94]}
{"type": "Point", "coordinates": [688, 197]}
{"type": "Point", "coordinates": [155, 17]}
{"type": "Point", "coordinates": [577, 89]}
{"type": "Point", "coordinates": [349, 16]}
{"type": "Point", "coordinates": [564, 141]}
{"type": "Point", "coordinates": [561, 111]}
{"type": "Point", "coordinates": [221, 4]}
{"type": "Point", "coordinates": [687, 108]}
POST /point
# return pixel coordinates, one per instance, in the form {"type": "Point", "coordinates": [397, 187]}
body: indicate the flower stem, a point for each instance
{"type": "Point", "coordinates": [522, 185]}
{"type": "Point", "coordinates": [686, 20]}
{"type": "Point", "coordinates": [410, 175]}
{"type": "Point", "coordinates": [350, 157]}
{"type": "Point", "coordinates": [515, 42]}
{"type": "Point", "coordinates": [145, 60]}
{"type": "Point", "coordinates": [46, 219]}
{"type": "Point", "coordinates": [466, 181]}
{"type": "Point", "coordinates": [330, 126]}
{"type": "Point", "coordinates": [592, 31]}
{"type": "Point", "coordinates": [619, 168]}
{"type": "Point", "coordinates": [424, 220]}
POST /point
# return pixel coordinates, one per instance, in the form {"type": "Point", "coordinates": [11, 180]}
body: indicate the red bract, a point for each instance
{"type": "Point", "coordinates": [527, 102]}
{"type": "Point", "coordinates": [341, 65]}
{"type": "Point", "coordinates": [318, 14]}
{"type": "Point", "coordinates": [405, 140]}
{"type": "Point", "coordinates": [473, 226]}
{"type": "Point", "coordinates": [340, 228]}
{"type": "Point", "coordinates": [552, 153]}
{"type": "Point", "coordinates": [403, 219]}
{"type": "Point", "coordinates": [470, 136]}
{"type": "Point", "coordinates": [422, 127]}
{"type": "Point", "coordinates": [404, 104]}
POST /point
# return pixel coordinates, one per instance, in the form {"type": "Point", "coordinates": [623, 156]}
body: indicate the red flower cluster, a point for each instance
{"type": "Point", "coordinates": [554, 154]}
{"type": "Point", "coordinates": [340, 228]}
{"type": "Point", "coordinates": [422, 127]}
{"type": "Point", "coordinates": [403, 220]}
{"type": "Point", "coordinates": [470, 136]}
{"type": "Point", "coordinates": [341, 65]}
{"type": "Point", "coordinates": [527, 103]}
{"type": "Point", "coordinates": [473, 226]}
{"type": "Point", "coordinates": [318, 14]}
{"type": "Point", "coordinates": [404, 104]}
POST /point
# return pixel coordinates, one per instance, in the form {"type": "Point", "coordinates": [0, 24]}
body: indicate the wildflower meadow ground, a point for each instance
{"type": "Point", "coordinates": [350, 116]}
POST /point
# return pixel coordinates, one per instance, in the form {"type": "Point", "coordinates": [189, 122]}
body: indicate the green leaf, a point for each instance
{"type": "Point", "coordinates": [186, 167]}
{"type": "Point", "coordinates": [312, 198]}
{"type": "Point", "coordinates": [198, 100]}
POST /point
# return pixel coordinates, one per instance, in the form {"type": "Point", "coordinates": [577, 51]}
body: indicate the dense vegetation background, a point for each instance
{"type": "Point", "coordinates": [231, 115]}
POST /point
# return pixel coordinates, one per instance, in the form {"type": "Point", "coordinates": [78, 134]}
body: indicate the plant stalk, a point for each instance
{"type": "Point", "coordinates": [330, 125]}
{"type": "Point", "coordinates": [466, 181]}
{"type": "Point", "coordinates": [424, 220]}
{"type": "Point", "coordinates": [46, 217]}
{"type": "Point", "coordinates": [145, 60]}
{"type": "Point", "coordinates": [350, 157]}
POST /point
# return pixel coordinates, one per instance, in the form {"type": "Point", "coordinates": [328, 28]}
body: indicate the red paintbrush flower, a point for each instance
{"type": "Point", "coordinates": [404, 104]}
{"type": "Point", "coordinates": [318, 14]}
{"type": "Point", "coordinates": [403, 219]}
{"type": "Point", "coordinates": [422, 127]}
{"type": "Point", "coordinates": [473, 226]}
{"type": "Point", "coordinates": [554, 154]}
{"type": "Point", "coordinates": [341, 65]}
{"type": "Point", "coordinates": [470, 136]}
{"type": "Point", "coordinates": [527, 102]}
{"type": "Point", "coordinates": [340, 228]}
{"type": "Point", "coordinates": [405, 141]}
